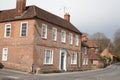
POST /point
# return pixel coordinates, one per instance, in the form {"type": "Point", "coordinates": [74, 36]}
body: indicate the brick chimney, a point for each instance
{"type": "Point", "coordinates": [20, 6]}
{"type": "Point", "coordinates": [67, 17]}
{"type": "Point", "coordinates": [84, 38]}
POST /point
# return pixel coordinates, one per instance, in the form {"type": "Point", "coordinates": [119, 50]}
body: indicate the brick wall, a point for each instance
{"type": "Point", "coordinates": [20, 49]}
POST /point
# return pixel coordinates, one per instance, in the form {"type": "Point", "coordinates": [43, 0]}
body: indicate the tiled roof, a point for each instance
{"type": "Point", "coordinates": [95, 57]}
{"type": "Point", "coordinates": [91, 44]}
{"type": "Point", "coordinates": [35, 12]}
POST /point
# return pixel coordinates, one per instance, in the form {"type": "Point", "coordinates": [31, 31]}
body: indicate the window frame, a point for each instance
{"type": "Point", "coordinates": [74, 58]}
{"type": "Point", "coordinates": [4, 58]}
{"type": "Point", "coordinates": [51, 56]}
{"type": "Point", "coordinates": [77, 40]}
{"type": "Point", "coordinates": [22, 30]}
{"type": "Point", "coordinates": [5, 33]}
{"type": "Point", "coordinates": [63, 37]}
{"type": "Point", "coordinates": [85, 61]}
{"type": "Point", "coordinates": [45, 36]}
{"type": "Point", "coordinates": [54, 38]}
{"type": "Point", "coordinates": [70, 38]}
{"type": "Point", "coordinates": [85, 50]}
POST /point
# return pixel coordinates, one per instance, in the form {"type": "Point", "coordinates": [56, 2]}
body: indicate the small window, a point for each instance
{"type": "Point", "coordinates": [48, 56]}
{"type": "Point", "coordinates": [24, 26]}
{"type": "Point", "coordinates": [77, 40]}
{"type": "Point", "coordinates": [7, 30]}
{"type": "Point", "coordinates": [4, 54]}
{"type": "Point", "coordinates": [63, 36]}
{"type": "Point", "coordinates": [70, 38]}
{"type": "Point", "coordinates": [74, 58]}
{"type": "Point", "coordinates": [44, 31]}
{"type": "Point", "coordinates": [54, 34]}
{"type": "Point", "coordinates": [85, 50]}
{"type": "Point", "coordinates": [85, 61]}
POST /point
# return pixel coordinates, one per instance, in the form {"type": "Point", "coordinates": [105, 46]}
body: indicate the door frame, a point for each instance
{"type": "Point", "coordinates": [65, 59]}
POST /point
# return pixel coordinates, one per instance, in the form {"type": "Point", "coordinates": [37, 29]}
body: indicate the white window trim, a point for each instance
{"type": "Point", "coordinates": [21, 29]}
{"type": "Point", "coordinates": [3, 54]}
{"type": "Point", "coordinates": [72, 59]}
{"type": "Point", "coordinates": [77, 40]}
{"type": "Point", "coordinates": [55, 34]}
{"type": "Point", "coordinates": [46, 31]}
{"type": "Point", "coordinates": [85, 61]}
{"type": "Point", "coordinates": [5, 31]}
{"type": "Point", "coordinates": [45, 57]}
{"type": "Point", "coordinates": [70, 38]}
{"type": "Point", "coordinates": [63, 40]}
{"type": "Point", "coordinates": [85, 50]}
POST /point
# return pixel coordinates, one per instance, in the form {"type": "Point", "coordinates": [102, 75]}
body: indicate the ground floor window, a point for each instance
{"type": "Point", "coordinates": [85, 61]}
{"type": "Point", "coordinates": [74, 58]}
{"type": "Point", "coordinates": [4, 54]}
{"type": "Point", "coordinates": [48, 56]}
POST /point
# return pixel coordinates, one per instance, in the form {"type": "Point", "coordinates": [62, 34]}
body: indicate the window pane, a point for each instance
{"type": "Point", "coordinates": [44, 31]}
{"type": "Point", "coordinates": [54, 34]}
{"type": "Point", "coordinates": [63, 36]}
{"type": "Point", "coordinates": [77, 40]}
{"type": "Point", "coordinates": [7, 30]}
{"type": "Point", "coordinates": [74, 58]}
{"type": "Point", "coordinates": [4, 54]}
{"type": "Point", "coordinates": [24, 29]}
{"type": "Point", "coordinates": [70, 38]}
{"type": "Point", "coordinates": [48, 57]}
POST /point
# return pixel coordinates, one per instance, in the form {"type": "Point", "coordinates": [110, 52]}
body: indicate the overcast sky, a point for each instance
{"type": "Point", "coordinates": [88, 16]}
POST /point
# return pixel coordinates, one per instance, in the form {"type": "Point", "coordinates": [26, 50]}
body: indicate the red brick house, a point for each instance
{"type": "Point", "coordinates": [90, 56]}
{"type": "Point", "coordinates": [95, 59]}
{"type": "Point", "coordinates": [85, 56]}
{"type": "Point", "coordinates": [34, 38]}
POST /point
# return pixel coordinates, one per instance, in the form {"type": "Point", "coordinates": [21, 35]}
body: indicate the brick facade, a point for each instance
{"type": "Point", "coordinates": [28, 53]}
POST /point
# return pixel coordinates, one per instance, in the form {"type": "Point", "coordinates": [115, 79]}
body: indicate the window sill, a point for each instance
{"type": "Point", "coordinates": [48, 64]}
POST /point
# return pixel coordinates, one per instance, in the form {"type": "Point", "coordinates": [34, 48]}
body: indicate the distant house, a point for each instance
{"type": "Point", "coordinates": [94, 56]}
{"type": "Point", "coordinates": [32, 38]}
{"type": "Point", "coordinates": [85, 57]}
{"type": "Point", "coordinates": [91, 59]}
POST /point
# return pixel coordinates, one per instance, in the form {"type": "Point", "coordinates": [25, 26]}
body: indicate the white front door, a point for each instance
{"type": "Point", "coordinates": [62, 62]}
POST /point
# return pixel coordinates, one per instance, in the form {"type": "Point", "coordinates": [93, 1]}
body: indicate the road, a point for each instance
{"type": "Point", "coordinates": [110, 73]}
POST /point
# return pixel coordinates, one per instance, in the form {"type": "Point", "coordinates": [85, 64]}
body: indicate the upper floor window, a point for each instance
{"type": "Point", "coordinates": [70, 38]}
{"type": "Point", "coordinates": [48, 56]}
{"type": "Point", "coordinates": [63, 36]}
{"type": "Point", "coordinates": [74, 58]}
{"type": "Point", "coordinates": [54, 34]}
{"type": "Point", "coordinates": [4, 54]}
{"type": "Point", "coordinates": [24, 27]}
{"type": "Point", "coordinates": [7, 30]}
{"type": "Point", "coordinates": [77, 40]}
{"type": "Point", "coordinates": [44, 31]}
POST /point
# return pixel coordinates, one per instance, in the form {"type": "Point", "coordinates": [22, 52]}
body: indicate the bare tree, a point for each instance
{"type": "Point", "coordinates": [101, 40]}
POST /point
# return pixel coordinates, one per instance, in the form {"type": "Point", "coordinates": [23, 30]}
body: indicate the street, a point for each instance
{"type": "Point", "coordinates": [110, 73]}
